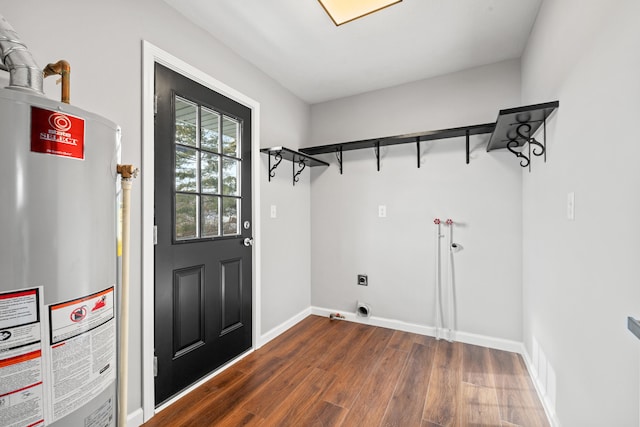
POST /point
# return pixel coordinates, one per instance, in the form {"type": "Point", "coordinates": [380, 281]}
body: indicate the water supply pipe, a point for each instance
{"type": "Point", "coordinates": [128, 172]}
{"type": "Point", "coordinates": [438, 279]}
{"type": "Point", "coordinates": [450, 285]}
{"type": "Point", "coordinates": [63, 69]}
{"type": "Point", "coordinates": [24, 73]}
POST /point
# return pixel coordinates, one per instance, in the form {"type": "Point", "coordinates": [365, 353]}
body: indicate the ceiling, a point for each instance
{"type": "Point", "coordinates": [296, 43]}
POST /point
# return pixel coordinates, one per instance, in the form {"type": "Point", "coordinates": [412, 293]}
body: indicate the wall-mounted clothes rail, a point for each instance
{"type": "Point", "coordinates": [415, 138]}
{"type": "Point", "coordinates": [513, 129]}
{"type": "Point", "coordinates": [299, 161]}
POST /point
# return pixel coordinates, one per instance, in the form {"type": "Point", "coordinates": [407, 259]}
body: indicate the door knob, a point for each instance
{"type": "Point", "coordinates": [248, 241]}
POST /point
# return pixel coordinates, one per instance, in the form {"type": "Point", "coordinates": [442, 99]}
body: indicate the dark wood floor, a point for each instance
{"type": "Point", "coordinates": [337, 373]}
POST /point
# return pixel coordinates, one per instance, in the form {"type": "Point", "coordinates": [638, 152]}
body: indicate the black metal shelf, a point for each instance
{"type": "Point", "coordinates": [513, 128]}
{"type": "Point", "coordinates": [300, 159]}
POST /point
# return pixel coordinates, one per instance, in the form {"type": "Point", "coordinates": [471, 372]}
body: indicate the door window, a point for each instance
{"type": "Point", "coordinates": [207, 168]}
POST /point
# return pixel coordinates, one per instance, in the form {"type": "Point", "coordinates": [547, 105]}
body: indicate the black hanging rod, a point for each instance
{"type": "Point", "coordinates": [401, 139]}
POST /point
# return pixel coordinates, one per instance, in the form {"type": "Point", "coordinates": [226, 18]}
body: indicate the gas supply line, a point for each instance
{"type": "Point", "coordinates": [128, 173]}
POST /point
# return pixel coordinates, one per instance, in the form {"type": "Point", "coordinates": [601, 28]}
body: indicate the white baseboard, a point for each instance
{"type": "Point", "coordinates": [284, 326]}
{"type": "Point", "coordinates": [135, 418]}
{"type": "Point", "coordinates": [378, 321]}
{"type": "Point", "coordinates": [548, 407]}
{"type": "Point", "coordinates": [465, 337]}
{"type": "Point", "coordinates": [490, 342]}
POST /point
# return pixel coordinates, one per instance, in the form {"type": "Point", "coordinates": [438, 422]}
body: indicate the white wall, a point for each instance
{"type": "Point", "coordinates": [581, 277]}
{"type": "Point", "coordinates": [397, 252]}
{"type": "Point", "coordinates": [286, 240]}
{"type": "Point", "coordinates": [102, 41]}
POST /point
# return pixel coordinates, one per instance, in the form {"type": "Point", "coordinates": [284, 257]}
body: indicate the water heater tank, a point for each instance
{"type": "Point", "coordinates": [58, 264]}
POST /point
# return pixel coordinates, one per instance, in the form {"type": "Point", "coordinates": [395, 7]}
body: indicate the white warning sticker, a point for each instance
{"type": "Point", "coordinates": [18, 308]}
{"type": "Point", "coordinates": [21, 372]}
{"type": "Point", "coordinates": [83, 350]}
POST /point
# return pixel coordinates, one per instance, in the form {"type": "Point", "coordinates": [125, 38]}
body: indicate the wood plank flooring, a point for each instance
{"type": "Point", "coordinates": [342, 374]}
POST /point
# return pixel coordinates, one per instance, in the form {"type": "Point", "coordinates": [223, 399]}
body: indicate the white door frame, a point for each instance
{"type": "Point", "coordinates": [150, 56]}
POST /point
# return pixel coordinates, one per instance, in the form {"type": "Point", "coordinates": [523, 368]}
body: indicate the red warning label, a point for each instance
{"type": "Point", "coordinates": [56, 133]}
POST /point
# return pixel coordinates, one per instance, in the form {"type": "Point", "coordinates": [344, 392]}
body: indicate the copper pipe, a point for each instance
{"type": "Point", "coordinates": [63, 69]}
{"type": "Point", "coordinates": [127, 171]}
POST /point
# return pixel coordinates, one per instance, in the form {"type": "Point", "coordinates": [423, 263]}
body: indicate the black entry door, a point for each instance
{"type": "Point", "coordinates": [203, 286]}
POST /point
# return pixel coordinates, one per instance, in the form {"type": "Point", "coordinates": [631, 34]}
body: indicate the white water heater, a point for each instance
{"type": "Point", "coordinates": [58, 264]}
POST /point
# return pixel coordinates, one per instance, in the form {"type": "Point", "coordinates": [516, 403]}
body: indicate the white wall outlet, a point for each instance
{"type": "Point", "coordinates": [382, 211]}
{"type": "Point", "coordinates": [571, 206]}
{"type": "Point", "coordinates": [274, 211]}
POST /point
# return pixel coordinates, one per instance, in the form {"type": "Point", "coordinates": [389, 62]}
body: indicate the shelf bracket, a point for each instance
{"type": "Point", "coordinates": [510, 146]}
{"type": "Point", "coordinates": [535, 147]}
{"type": "Point", "coordinates": [272, 169]}
{"type": "Point", "coordinates": [377, 149]}
{"type": "Point", "coordinates": [339, 157]}
{"type": "Point", "coordinates": [467, 144]}
{"type": "Point", "coordinates": [418, 150]}
{"type": "Point", "coordinates": [296, 175]}
{"type": "Point", "coordinates": [284, 153]}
